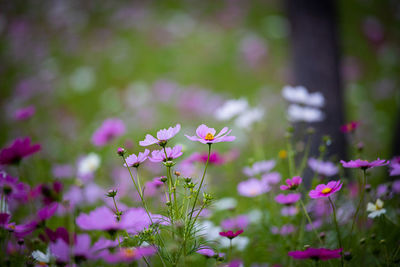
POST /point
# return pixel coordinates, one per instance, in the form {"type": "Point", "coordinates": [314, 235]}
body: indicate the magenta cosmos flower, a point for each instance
{"type": "Point", "coordinates": [316, 254]}
{"type": "Point", "coordinates": [292, 184]}
{"type": "Point", "coordinates": [19, 149]}
{"type": "Point", "coordinates": [172, 153]}
{"type": "Point", "coordinates": [163, 136]}
{"type": "Point", "coordinates": [135, 161]}
{"type": "Point", "coordinates": [364, 164]}
{"type": "Point", "coordinates": [108, 131]}
{"type": "Point", "coordinates": [24, 113]}
{"type": "Point", "coordinates": [12, 188]}
{"type": "Point", "coordinates": [288, 199]}
{"type": "Point", "coordinates": [230, 234]}
{"type": "Point", "coordinates": [325, 190]}
{"type": "Point", "coordinates": [350, 127]}
{"type": "Point", "coordinates": [207, 135]}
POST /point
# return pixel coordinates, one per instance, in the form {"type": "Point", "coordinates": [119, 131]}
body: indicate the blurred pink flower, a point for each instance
{"type": "Point", "coordinates": [128, 254]}
{"type": "Point", "coordinates": [325, 190]}
{"type": "Point", "coordinates": [108, 131]}
{"type": "Point", "coordinates": [207, 135]}
{"type": "Point", "coordinates": [350, 127]}
{"type": "Point", "coordinates": [259, 167]}
{"type": "Point", "coordinates": [239, 222]}
{"type": "Point", "coordinates": [288, 199]}
{"type": "Point", "coordinates": [284, 230]}
{"type": "Point", "coordinates": [252, 187]}
{"type": "Point", "coordinates": [19, 149]}
{"type": "Point", "coordinates": [48, 211]}
{"type": "Point", "coordinates": [24, 113]}
{"type": "Point", "coordinates": [271, 178]}
{"type": "Point", "coordinates": [230, 234]}
{"type": "Point", "coordinates": [12, 188]}
{"type": "Point", "coordinates": [316, 254]}
{"type": "Point", "coordinates": [325, 168]}
{"type": "Point", "coordinates": [163, 136]}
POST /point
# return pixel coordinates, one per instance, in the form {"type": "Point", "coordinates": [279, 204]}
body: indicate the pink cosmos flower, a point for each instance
{"type": "Point", "coordinates": [271, 178]}
{"type": "Point", "coordinates": [252, 187]}
{"type": "Point", "coordinates": [208, 252]}
{"type": "Point", "coordinates": [239, 222]}
{"type": "Point", "coordinates": [325, 190]}
{"type": "Point", "coordinates": [364, 164]}
{"type": "Point", "coordinates": [349, 127]}
{"type": "Point", "coordinates": [207, 135]}
{"type": "Point", "coordinates": [289, 211]}
{"type": "Point", "coordinates": [288, 199]}
{"type": "Point", "coordinates": [59, 233]}
{"type": "Point", "coordinates": [103, 218]}
{"type": "Point", "coordinates": [24, 113]}
{"type": "Point", "coordinates": [286, 229]}
{"type": "Point", "coordinates": [108, 131]}
{"type": "Point", "coordinates": [292, 184]}
{"type": "Point", "coordinates": [325, 168]}
{"type": "Point", "coordinates": [163, 136]}
{"type": "Point", "coordinates": [135, 161]}
{"type": "Point", "coordinates": [172, 153]}
{"type": "Point", "coordinates": [230, 234]}
{"type": "Point", "coordinates": [215, 158]}
{"type": "Point", "coordinates": [19, 149]}
{"type": "Point", "coordinates": [316, 254]}
{"type": "Point", "coordinates": [395, 166]}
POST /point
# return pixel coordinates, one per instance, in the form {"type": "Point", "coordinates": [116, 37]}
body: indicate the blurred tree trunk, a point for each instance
{"type": "Point", "coordinates": [316, 65]}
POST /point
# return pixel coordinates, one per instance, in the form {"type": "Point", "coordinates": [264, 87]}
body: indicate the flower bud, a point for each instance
{"type": "Point", "coordinates": [168, 203]}
{"type": "Point", "coordinates": [121, 151]}
{"type": "Point", "coordinates": [169, 163]}
{"type": "Point", "coordinates": [382, 242]}
{"type": "Point", "coordinates": [362, 241]}
{"type": "Point", "coordinates": [187, 179]}
{"type": "Point", "coordinates": [111, 193]}
{"type": "Point", "coordinates": [20, 242]}
{"type": "Point", "coordinates": [163, 179]}
{"type": "Point", "coordinates": [360, 146]}
{"type": "Point", "coordinates": [177, 173]}
{"type": "Point", "coordinates": [322, 235]}
{"type": "Point", "coordinates": [306, 246]}
{"type": "Point", "coordinates": [368, 188]}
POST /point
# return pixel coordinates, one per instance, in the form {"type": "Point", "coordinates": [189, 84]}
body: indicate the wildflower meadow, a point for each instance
{"type": "Point", "coordinates": [200, 133]}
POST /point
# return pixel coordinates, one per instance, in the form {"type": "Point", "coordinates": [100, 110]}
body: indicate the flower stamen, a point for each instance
{"type": "Point", "coordinates": [326, 190]}
{"type": "Point", "coordinates": [209, 137]}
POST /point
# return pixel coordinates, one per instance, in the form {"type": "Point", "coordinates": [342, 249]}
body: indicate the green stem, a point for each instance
{"type": "Point", "coordinates": [362, 186]}
{"type": "Point", "coordinates": [309, 221]}
{"type": "Point", "coordinates": [337, 229]}
{"type": "Point", "coordinates": [201, 184]}
{"type": "Point", "coordinates": [230, 248]}
{"type": "Point", "coordinates": [290, 157]}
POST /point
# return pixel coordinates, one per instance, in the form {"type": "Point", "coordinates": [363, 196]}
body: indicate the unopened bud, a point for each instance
{"type": "Point", "coordinates": [368, 188]}
{"type": "Point", "coordinates": [168, 203]}
{"type": "Point", "coordinates": [306, 246]}
{"type": "Point", "coordinates": [163, 179]}
{"type": "Point", "coordinates": [121, 151]}
{"type": "Point", "coordinates": [111, 193]}
{"type": "Point", "coordinates": [177, 173]}
{"type": "Point", "coordinates": [169, 163]}
{"type": "Point", "coordinates": [382, 242]}
{"type": "Point", "coordinates": [20, 242]}
{"type": "Point", "coordinates": [347, 256]}
{"type": "Point", "coordinates": [322, 235]}
{"type": "Point", "coordinates": [187, 179]}
{"type": "Point", "coordinates": [362, 241]}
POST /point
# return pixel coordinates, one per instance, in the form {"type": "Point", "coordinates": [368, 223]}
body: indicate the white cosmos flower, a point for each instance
{"type": "Point", "coordinates": [231, 108]}
{"type": "Point", "coordinates": [375, 209]}
{"type": "Point", "coordinates": [240, 242]}
{"type": "Point", "coordinates": [41, 257]}
{"type": "Point", "coordinates": [300, 95]}
{"type": "Point", "coordinates": [298, 113]}
{"type": "Point", "coordinates": [250, 116]}
{"type": "Point", "coordinates": [89, 164]}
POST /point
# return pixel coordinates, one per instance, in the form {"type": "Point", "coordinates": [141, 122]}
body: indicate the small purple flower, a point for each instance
{"type": "Point", "coordinates": [395, 166]}
{"type": "Point", "coordinates": [288, 199]}
{"type": "Point", "coordinates": [108, 131]}
{"type": "Point", "coordinates": [271, 178]}
{"type": "Point", "coordinates": [259, 168]}
{"type": "Point", "coordinates": [292, 184]}
{"type": "Point", "coordinates": [325, 190]}
{"type": "Point", "coordinates": [286, 229]}
{"type": "Point", "coordinates": [135, 161]}
{"type": "Point", "coordinates": [163, 136]}
{"type": "Point", "coordinates": [325, 168]}
{"type": "Point", "coordinates": [62, 171]}
{"type": "Point", "coordinates": [289, 211]}
{"type": "Point", "coordinates": [19, 149]}
{"type": "Point", "coordinates": [252, 187]}
{"type": "Point", "coordinates": [172, 153]}
{"type": "Point", "coordinates": [207, 135]}
{"type": "Point", "coordinates": [316, 254]}
{"type": "Point", "coordinates": [206, 251]}
{"type": "Point", "coordinates": [364, 164]}
{"type": "Point", "coordinates": [24, 113]}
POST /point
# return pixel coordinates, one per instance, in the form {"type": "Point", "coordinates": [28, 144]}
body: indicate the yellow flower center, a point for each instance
{"type": "Point", "coordinates": [282, 154]}
{"type": "Point", "coordinates": [11, 226]}
{"type": "Point", "coordinates": [209, 137]}
{"type": "Point", "coordinates": [326, 190]}
{"type": "Point", "coordinates": [129, 253]}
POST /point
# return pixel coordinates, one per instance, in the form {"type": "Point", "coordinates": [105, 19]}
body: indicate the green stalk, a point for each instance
{"type": "Point", "coordinates": [309, 220]}
{"type": "Point", "coordinates": [337, 230]}
{"type": "Point", "coordinates": [362, 186]}
{"type": "Point", "coordinates": [201, 183]}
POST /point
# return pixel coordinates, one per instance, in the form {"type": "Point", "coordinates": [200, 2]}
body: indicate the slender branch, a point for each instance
{"type": "Point", "coordinates": [337, 229]}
